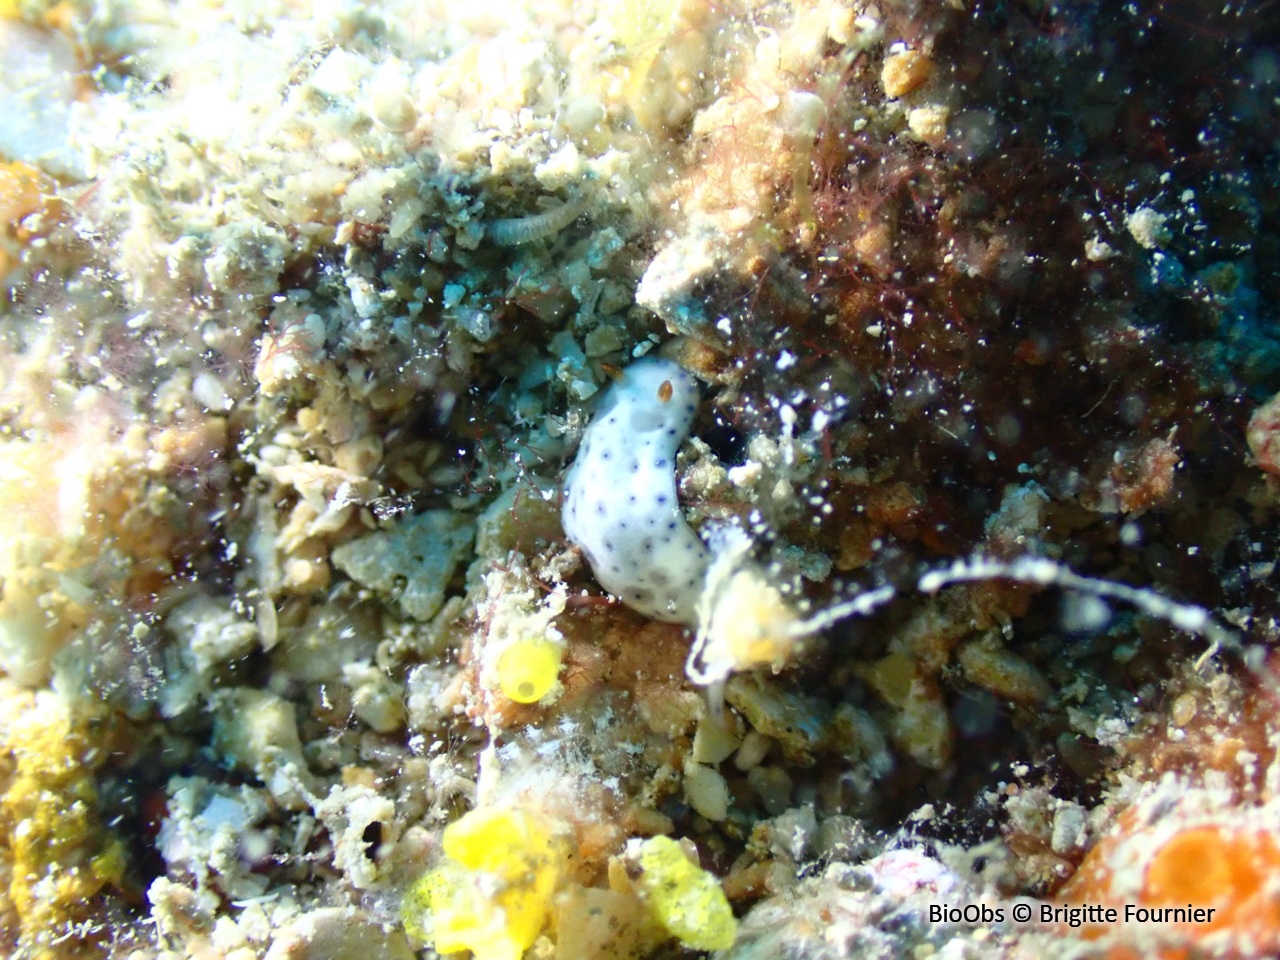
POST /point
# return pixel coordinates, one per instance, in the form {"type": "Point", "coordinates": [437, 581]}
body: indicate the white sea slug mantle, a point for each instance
{"type": "Point", "coordinates": [620, 495]}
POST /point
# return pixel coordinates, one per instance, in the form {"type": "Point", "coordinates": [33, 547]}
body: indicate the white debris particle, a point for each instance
{"type": "Point", "coordinates": [1097, 249]}
{"type": "Point", "coordinates": [1083, 613]}
{"type": "Point", "coordinates": [1147, 226]}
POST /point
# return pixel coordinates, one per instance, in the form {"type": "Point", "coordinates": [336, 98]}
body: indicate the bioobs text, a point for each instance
{"type": "Point", "coordinates": [969, 913]}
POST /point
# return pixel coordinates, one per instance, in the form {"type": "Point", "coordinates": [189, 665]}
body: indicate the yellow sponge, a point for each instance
{"type": "Point", "coordinates": [492, 894]}
{"type": "Point", "coordinates": [528, 669]}
{"type": "Point", "coordinates": [687, 900]}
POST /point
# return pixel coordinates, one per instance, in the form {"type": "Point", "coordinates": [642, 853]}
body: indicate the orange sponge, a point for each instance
{"type": "Point", "coordinates": [1225, 861]}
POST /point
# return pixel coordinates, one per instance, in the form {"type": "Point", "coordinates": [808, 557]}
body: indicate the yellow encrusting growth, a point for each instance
{"type": "Point", "coordinates": [687, 900]}
{"type": "Point", "coordinates": [55, 856]}
{"type": "Point", "coordinates": [22, 186]}
{"type": "Point", "coordinates": [528, 669]}
{"type": "Point", "coordinates": [492, 894]}
{"type": "Point", "coordinates": [643, 29]}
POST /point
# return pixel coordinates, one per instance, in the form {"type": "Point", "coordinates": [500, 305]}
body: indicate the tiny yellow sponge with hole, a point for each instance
{"type": "Point", "coordinates": [528, 669]}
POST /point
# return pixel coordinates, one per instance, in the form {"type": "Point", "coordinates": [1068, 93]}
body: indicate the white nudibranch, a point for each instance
{"type": "Point", "coordinates": [620, 503]}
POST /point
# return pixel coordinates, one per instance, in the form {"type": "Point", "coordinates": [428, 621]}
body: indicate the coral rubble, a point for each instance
{"type": "Point", "coordinates": [956, 325]}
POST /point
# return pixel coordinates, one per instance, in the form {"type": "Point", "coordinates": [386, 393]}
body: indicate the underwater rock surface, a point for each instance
{"type": "Point", "coordinates": [308, 308]}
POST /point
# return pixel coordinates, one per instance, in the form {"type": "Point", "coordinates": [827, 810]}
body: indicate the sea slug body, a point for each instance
{"type": "Point", "coordinates": [620, 503]}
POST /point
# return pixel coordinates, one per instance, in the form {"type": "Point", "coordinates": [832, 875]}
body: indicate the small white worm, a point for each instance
{"type": "Point", "coordinates": [513, 231]}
